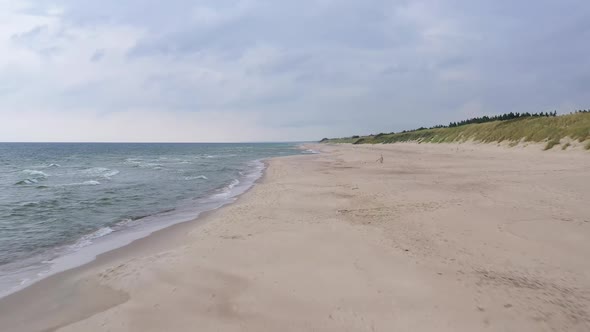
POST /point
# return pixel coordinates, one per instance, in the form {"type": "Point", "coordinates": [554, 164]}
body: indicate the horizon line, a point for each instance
{"type": "Point", "coordinates": [135, 142]}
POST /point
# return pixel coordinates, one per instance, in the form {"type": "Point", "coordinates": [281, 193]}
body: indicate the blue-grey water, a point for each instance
{"type": "Point", "coordinates": [57, 198]}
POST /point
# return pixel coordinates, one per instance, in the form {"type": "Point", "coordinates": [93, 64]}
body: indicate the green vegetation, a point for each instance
{"type": "Point", "coordinates": [551, 144]}
{"type": "Point", "coordinates": [503, 117]}
{"type": "Point", "coordinates": [538, 128]}
{"type": "Point", "coordinates": [339, 140]}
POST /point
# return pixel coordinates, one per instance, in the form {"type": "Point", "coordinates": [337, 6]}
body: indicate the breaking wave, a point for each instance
{"type": "Point", "coordinates": [36, 174]}
{"type": "Point", "coordinates": [86, 240]}
{"type": "Point", "coordinates": [34, 177]}
{"type": "Point", "coordinates": [101, 171]}
{"type": "Point", "coordinates": [200, 177]}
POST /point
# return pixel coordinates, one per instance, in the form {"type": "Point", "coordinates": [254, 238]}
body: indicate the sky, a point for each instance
{"type": "Point", "coordinates": [281, 70]}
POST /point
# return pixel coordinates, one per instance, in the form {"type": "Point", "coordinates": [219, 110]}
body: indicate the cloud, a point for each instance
{"type": "Point", "coordinates": [288, 70]}
{"type": "Point", "coordinates": [98, 54]}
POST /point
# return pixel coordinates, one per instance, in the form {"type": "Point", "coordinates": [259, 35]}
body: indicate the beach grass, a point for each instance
{"type": "Point", "coordinates": [551, 144]}
{"type": "Point", "coordinates": [530, 129]}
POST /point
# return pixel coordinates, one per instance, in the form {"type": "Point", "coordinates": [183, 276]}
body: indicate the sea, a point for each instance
{"type": "Point", "coordinates": [62, 204]}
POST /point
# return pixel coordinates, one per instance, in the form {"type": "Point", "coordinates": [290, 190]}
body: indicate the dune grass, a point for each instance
{"type": "Point", "coordinates": [551, 144]}
{"type": "Point", "coordinates": [534, 129]}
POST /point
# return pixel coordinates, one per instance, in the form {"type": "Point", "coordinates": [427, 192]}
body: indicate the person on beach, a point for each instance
{"type": "Point", "coordinates": [380, 160]}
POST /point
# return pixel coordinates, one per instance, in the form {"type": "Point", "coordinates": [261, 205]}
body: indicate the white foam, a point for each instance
{"type": "Point", "coordinates": [101, 171]}
{"type": "Point", "coordinates": [311, 151]}
{"type": "Point", "coordinates": [34, 176]}
{"type": "Point", "coordinates": [96, 170]}
{"type": "Point", "coordinates": [87, 248]}
{"type": "Point", "coordinates": [233, 183]}
{"type": "Point", "coordinates": [111, 173]}
{"type": "Point", "coordinates": [200, 177]}
{"type": "Point", "coordinates": [86, 240]}
{"type": "Point", "coordinates": [35, 173]}
{"type": "Point", "coordinates": [140, 163]}
{"type": "Point", "coordinates": [27, 181]}
{"type": "Point", "coordinates": [85, 183]}
{"type": "Point", "coordinates": [47, 166]}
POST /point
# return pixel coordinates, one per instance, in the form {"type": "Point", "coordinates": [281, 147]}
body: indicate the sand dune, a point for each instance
{"type": "Point", "coordinates": [437, 238]}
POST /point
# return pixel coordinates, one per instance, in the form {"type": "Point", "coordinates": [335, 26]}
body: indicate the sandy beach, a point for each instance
{"type": "Point", "coordinates": [448, 237]}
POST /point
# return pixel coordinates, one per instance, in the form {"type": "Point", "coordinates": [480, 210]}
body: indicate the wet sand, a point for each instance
{"type": "Point", "coordinates": [436, 238]}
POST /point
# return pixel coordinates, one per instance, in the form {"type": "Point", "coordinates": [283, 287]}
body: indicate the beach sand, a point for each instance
{"type": "Point", "coordinates": [449, 237]}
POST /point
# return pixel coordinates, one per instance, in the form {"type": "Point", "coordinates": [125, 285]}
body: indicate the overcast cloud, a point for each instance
{"type": "Point", "coordinates": [221, 70]}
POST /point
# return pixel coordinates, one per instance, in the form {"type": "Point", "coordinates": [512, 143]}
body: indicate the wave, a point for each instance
{"type": "Point", "coordinates": [310, 151]}
{"type": "Point", "coordinates": [29, 204]}
{"type": "Point", "coordinates": [129, 227]}
{"type": "Point", "coordinates": [226, 191]}
{"type": "Point", "coordinates": [86, 240]}
{"type": "Point", "coordinates": [134, 220]}
{"type": "Point", "coordinates": [26, 181]}
{"type": "Point", "coordinates": [34, 177]}
{"type": "Point", "coordinates": [35, 174]}
{"type": "Point", "coordinates": [43, 166]}
{"type": "Point", "coordinates": [85, 183]}
{"type": "Point", "coordinates": [52, 165]}
{"type": "Point", "coordinates": [140, 163]}
{"type": "Point", "coordinates": [101, 171]}
{"type": "Point", "coordinates": [200, 177]}
{"type": "Point", "coordinates": [233, 183]}
{"type": "Point", "coordinates": [213, 156]}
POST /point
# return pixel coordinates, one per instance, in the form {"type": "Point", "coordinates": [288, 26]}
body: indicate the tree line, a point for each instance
{"type": "Point", "coordinates": [501, 117]}
{"type": "Point", "coordinates": [482, 119]}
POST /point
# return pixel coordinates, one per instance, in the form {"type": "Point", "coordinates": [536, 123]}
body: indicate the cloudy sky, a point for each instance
{"type": "Point", "coordinates": [270, 70]}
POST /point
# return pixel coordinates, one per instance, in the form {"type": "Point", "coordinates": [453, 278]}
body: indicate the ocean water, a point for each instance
{"type": "Point", "coordinates": [61, 204]}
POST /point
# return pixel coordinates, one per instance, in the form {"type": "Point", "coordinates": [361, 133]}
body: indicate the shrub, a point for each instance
{"type": "Point", "coordinates": [359, 141]}
{"type": "Point", "coordinates": [551, 144]}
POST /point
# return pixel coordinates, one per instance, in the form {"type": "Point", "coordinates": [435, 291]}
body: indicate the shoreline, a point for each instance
{"type": "Point", "coordinates": [335, 241]}
{"type": "Point", "coordinates": [74, 257]}
{"type": "Point", "coordinates": [50, 286]}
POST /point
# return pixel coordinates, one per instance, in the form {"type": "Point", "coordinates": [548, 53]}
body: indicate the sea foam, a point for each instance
{"type": "Point", "coordinates": [101, 171]}
{"type": "Point", "coordinates": [86, 240]}
{"type": "Point", "coordinates": [36, 174]}
{"type": "Point", "coordinates": [200, 177]}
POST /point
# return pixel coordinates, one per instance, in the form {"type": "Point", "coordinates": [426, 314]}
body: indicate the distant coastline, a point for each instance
{"type": "Point", "coordinates": [568, 131]}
